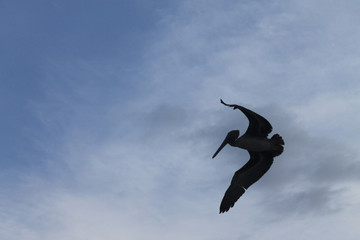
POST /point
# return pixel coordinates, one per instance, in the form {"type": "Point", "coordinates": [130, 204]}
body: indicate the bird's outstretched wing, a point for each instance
{"type": "Point", "coordinates": [251, 172]}
{"type": "Point", "coordinates": [258, 125]}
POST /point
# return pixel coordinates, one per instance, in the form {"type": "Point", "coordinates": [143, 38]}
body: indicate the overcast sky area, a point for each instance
{"type": "Point", "coordinates": [110, 115]}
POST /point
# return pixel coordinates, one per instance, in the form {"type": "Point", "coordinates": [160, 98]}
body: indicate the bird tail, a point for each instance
{"type": "Point", "coordinates": [279, 142]}
{"type": "Point", "coordinates": [277, 139]}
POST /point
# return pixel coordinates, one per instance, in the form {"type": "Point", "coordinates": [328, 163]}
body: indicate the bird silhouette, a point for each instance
{"type": "Point", "coordinates": [262, 151]}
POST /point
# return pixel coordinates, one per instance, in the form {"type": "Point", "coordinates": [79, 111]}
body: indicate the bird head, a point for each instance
{"type": "Point", "coordinates": [229, 139]}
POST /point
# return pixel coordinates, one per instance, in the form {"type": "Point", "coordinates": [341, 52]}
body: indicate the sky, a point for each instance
{"type": "Point", "coordinates": [110, 115]}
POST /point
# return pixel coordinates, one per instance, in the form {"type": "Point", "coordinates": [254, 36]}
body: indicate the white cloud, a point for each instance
{"type": "Point", "coordinates": [138, 164]}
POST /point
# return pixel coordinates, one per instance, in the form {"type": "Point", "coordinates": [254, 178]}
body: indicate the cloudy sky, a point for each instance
{"type": "Point", "coordinates": [110, 114]}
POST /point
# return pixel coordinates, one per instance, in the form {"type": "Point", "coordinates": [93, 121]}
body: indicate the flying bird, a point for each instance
{"type": "Point", "coordinates": [262, 151]}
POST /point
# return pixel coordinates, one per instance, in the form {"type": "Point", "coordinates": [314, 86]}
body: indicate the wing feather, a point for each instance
{"type": "Point", "coordinates": [251, 172]}
{"type": "Point", "coordinates": [258, 125]}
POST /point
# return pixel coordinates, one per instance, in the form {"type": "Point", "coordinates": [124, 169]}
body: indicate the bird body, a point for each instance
{"type": "Point", "coordinates": [262, 151]}
{"type": "Point", "coordinates": [254, 144]}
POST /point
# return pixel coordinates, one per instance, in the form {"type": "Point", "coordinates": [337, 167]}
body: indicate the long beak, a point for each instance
{"type": "Point", "coordinates": [221, 146]}
{"type": "Point", "coordinates": [230, 138]}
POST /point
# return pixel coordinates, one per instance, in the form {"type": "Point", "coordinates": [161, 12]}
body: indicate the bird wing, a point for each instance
{"type": "Point", "coordinates": [251, 172]}
{"type": "Point", "coordinates": [258, 125]}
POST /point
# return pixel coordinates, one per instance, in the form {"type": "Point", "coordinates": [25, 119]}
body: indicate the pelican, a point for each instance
{"type": "Point", "coordinates": [262, 151]}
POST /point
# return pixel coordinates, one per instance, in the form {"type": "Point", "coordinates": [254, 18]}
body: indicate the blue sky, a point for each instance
{"type": "Point", "coordinates": [111, 113]}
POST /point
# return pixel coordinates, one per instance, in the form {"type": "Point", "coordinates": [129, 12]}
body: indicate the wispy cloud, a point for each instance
{"type": "Point", "coordinates": [126, 147]}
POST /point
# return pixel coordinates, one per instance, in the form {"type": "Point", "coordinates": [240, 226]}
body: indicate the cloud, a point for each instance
{"type": "Point", "coordinates": [127, 150]}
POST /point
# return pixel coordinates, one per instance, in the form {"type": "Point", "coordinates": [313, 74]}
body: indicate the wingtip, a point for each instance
{"type": "Point", "coordinates": [222, 211]}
